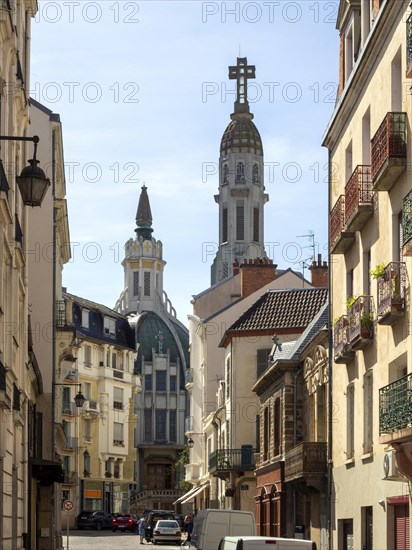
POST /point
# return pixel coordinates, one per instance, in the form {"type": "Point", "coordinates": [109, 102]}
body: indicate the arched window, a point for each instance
{"type": "Point", "coordinates": [240, 172]}
{"type": "Point", "coordinates": [255, 173]}
{"type": "Point", "coordinates": [225, 173]}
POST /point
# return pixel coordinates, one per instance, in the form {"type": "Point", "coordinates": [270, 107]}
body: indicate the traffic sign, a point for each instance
{"type": "Point", "coordinates": [68, 505]}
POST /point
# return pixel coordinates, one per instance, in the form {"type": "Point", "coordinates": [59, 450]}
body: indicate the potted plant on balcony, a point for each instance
{"type": "Point", "coordinates": [378, 271]}
{"type": "Point", "coordinates": [366, 322]}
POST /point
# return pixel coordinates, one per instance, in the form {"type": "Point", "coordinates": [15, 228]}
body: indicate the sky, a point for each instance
{"type": "Point", "coordinates": [143, 94]}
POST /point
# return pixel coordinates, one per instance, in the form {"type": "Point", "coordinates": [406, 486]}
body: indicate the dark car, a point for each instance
{"type": "Point", "coordinates": [180, 518]}
{"type": "Point", "coordinates": [153, 517]}
{"type": "Point", "coordinates": [124, 522]}
{"type": "Point", "coordinates": [94, 519]}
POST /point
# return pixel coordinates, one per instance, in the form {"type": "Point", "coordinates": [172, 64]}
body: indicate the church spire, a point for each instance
{"type": "Point", "coordinates": [144, 216]}
{"type": "Point", "coordinates": [241, 72]}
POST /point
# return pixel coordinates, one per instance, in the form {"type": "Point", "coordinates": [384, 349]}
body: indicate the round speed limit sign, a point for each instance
{"type": "Point", "coordinates": [68, 505]}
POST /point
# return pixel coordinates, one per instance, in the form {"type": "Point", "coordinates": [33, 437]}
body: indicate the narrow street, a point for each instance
{"type": "Point", "coordinates": [107, 540]}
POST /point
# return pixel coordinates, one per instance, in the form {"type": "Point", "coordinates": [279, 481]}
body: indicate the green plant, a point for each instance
{"type": "Point", "coordinates": [367, 320]}
{"type": "Point", "coordinates": [184, 457]}
{"type": "Point", "coordinates": [378, 271]}
{"type": "Point", "coordinates": [350, 301]}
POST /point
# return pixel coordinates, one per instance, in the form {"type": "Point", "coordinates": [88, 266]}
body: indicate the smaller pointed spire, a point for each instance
{"type": "Point", "coordinates": [144, 215]}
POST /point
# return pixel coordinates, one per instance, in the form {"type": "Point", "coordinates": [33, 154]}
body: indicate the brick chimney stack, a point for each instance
{"type": "Point", "coordinates": [255, 274]}
{"type": "Point", "coordinates": [319, 273]}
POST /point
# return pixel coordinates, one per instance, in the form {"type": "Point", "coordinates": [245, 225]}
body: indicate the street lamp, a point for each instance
{"type": "Point", "coordinates": [190, 443]}
{"type": "Point", "coordinates": [79, 398]}
{"type": "Point", "coordinates": [32, 182]}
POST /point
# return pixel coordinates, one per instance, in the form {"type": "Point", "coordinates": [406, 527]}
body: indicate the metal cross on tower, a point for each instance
{"type": "Point", "coordinates": [241, 72]}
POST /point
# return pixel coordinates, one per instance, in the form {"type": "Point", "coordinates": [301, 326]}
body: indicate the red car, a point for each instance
{"type": "Point", "coordinates": [124, 522]}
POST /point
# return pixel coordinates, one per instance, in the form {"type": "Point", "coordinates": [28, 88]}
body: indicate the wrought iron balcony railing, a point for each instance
{"type": "Point", "coordinates": [306, 460]}
{"type": "Point", "coordinates": [232, 459]}
{"type": "Point", "coordinates": [71, 442]}
{"type": "Point", "coordinates": [395, 405]}
{"type": "Point", "coordinates": [361, 322]}
{"type": "Point", "coordinates": [358, 198]}
{"type": "Point", "coordinates": [343, 352]}
{"type": "Point", "coordinates": [388, 151]}
{"type": "Point", "coordinates": [337, 219]}
{"type": "Point", "coordinates": [70, 477]}
{"type": "Point", "coordinates": [391, 293]}
{"type": "Point", "coordinates": [407, 224]}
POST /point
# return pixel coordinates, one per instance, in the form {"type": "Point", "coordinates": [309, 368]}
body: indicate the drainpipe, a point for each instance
{"type": "Point", "coordinates": [330, 373]}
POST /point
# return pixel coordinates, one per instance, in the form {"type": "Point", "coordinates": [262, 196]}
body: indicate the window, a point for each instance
{"type": "Point", "coordinates": [256, 217]}
{"type": "Point", "coordinates": [161, 380]}
{"type": "Point", "coordinates": [240, 172]}
{"type": "Point", "coordinates": [277, 427]}
{"type": "Point", "coordinates": [396, 82]}
{"type": "Point", "coordinates": [161, 425]}
{"type": "Point", "coordinates": [136, 290]}
{"type": "Point", "coordinates": [114, 360]}
{"type": "Point", "coordinates": [366, 138]}
{"type": "Point", "coordinates": [172, 382]}
{"type": "Point", "coordinates": [148, 382]}
{"type": "Point", "coordinates": [225, 173]}
{"type": "Point", "coordinates": [109, 326]}
{"type": "Point", "coordinates": [262, 361]}
{"type": "Point", "coordinates": [349, 284]}
{"type": "Point", "coordinates": [240, 220]}
{"type": "Point", "coordinates": [367, 277]}
{"type": "Point", "coordinates": [172, 426]}
{"type": "Point", "coordinates": [146, 283]}
{"type": "Point", "coordinates": [367, 527]}
{"type": "Point", "coordinates": [224, 224]}
{"type": "Point", "coordinates": [227, 378]}
{"type": "Point", "coordinates": [87, 356]}
{"type": "Point", "coordinates": [87, 430]}
{"type": "Point", "coordinates": [266, 434]}
{"type": "Point", "coordinates": [85, 318]}
{"type": "Point", "coordinates": [87, 390]}
{"type": "Point", "coordinates": [148, 425]}
{"type": "Point", "coordinates": [16, 398]}
{"type": "Point", "coordinates": [368, 413]}
{"type": "Point", "coordinates": [255, 173]}
{"type": "Point", "coordinates": [86, 463]}
{"type": "Point", "coordinates": [350, 421]}
{"type": "Point", "coordinates": [118, 438]}
{"type": "Point", "coordinates": [118, 398]}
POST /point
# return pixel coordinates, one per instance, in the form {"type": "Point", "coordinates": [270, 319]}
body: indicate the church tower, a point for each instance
{"type": "Point", "coordinates": [241, 189]}
{"type": "Point", "coordinates": [162, 344]}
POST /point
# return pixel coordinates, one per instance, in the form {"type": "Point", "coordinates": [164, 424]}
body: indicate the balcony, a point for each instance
{"type": "Point", "coordinates": [305, 461]}
{"type": "Point", "coordinates": [224, 461]}
{"type": "Point", "coordinates": [343, 352]}
{"type": "Point", "coordinates": [361, 323]}
{"type": "Point", "coordinates": [395, 410]}
{"type": "Point", "coordinates": [358, 198]}
{"type": "Point", "coordinates": [340, 239]}
{"type": "Point", "coordinates": [71, 443]}
{"type": "Point", "coordinates": [391, 293]}
{"type": "Point", "coordinates": [407, 224]}
{"type": "Point", "coordinates": [388, 149]}
{"type": "Point", "coordinates": [69, 408]}
{"type": "Point", "coordinates": [409, 47]}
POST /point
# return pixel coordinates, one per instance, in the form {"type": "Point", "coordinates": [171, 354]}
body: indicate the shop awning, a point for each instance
{"type": "Point", "coordinates": [46, 471]}
{"type": "Point", "coordinates": [190, 495]}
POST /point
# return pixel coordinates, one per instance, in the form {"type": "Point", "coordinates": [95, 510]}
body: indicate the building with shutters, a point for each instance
{"type": "Point", "coordinates": [163, 363]}
{"type": "Point", "coordinates": [370, 213]}
{"type": "Point", "coordinates": [98, 453]}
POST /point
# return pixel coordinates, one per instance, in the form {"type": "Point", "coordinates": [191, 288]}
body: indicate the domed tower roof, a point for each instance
{"type": "Point", "coordinates": [241, 136]}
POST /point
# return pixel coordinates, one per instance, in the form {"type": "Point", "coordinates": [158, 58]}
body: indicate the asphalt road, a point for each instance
{"type": "Point", "coordinates": [107, 540]}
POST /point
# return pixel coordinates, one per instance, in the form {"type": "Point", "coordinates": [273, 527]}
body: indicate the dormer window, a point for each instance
{"type": "Point", "coordinates": [85, 318]}
{"type": "Point", "coordinates": [109, 326]}
{"type": "Point", "coordinates": [352, 43]}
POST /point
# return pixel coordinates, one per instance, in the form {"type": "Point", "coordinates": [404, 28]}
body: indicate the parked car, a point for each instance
{"type": "Point", "coordinates": [167, 530]}
{"type": "Point", "coordinates": [261, 543]}
{"type": "Point", "coordinates": [94, 519]}
{"type": "Point", "coordinates": [124, 522]}
{"type": "Point", "coordinates": [153, 517]}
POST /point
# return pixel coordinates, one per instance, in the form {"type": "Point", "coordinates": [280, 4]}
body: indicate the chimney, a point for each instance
{"type": "Point", "coordinates": [255, 274]}
{"type": "Point", "coordinates": [319, 273]}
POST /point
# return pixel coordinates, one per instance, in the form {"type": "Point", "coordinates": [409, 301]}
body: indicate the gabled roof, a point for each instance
{"type": "Point", "coordinates": [289, 308]}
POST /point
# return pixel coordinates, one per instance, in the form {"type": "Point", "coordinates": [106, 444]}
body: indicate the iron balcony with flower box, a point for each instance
{"type": "Point", "coordinates": [342, 349]}
{"type": "Point", "coordinates": [391, 293]}
{"type": "Point", "coordinates": [361, 321]}
{"type": "Point", "coordinates": [224, 461]}
{"type": "Point", "coordinates": [307, 462]}
{"type": "Point", "coordinates": [395, 411]}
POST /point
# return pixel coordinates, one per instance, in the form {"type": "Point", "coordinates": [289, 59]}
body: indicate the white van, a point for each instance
{"type": "Point", "coordinates": [211, 526]}
{"type": "Point", "coordinates": [261, 543]}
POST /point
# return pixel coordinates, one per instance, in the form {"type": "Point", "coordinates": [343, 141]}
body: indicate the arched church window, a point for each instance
{"type": "Point", "coordinates": [225, 173]}
{"type": "Point", "coordinates": [240, 171]}
{"type": "Point", "coordinates": [255, 173]}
